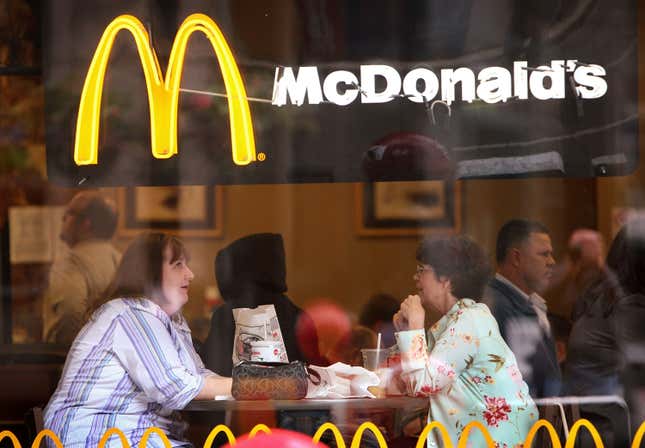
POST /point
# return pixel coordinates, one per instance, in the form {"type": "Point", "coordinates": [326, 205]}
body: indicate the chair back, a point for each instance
{"type": "Point", "coordinates": [34, 422]}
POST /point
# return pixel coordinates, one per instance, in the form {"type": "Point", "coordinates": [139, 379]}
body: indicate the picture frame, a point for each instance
{"type": "Point", "coordinates": [186, 211]}
{"type": "Point", "coordinates": [407, 208]}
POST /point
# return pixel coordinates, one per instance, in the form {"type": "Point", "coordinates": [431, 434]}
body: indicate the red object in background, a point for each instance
{"type": "Point", "coordinates": [279, 438]}
{"type": "Point", "coordinates": [331, 323]}
{"type": "Point", "coordinates": [407, 156]}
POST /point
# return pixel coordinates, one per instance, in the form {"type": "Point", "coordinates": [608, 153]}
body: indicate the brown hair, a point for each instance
{"type": "Point", "coordinates": [139, 274]}
{"type": "Point", "coordinates": [460, 260]}
{"type": "Point", "coordinates": [99, 211]}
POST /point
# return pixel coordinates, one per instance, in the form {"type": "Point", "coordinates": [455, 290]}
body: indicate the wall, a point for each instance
{"type": "Point", "coordinates": [327, 259]}
{"type": "Point", "coordinates": [627, 191]}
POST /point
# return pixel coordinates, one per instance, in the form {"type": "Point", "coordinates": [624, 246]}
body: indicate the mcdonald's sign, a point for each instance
{"type": "Point", "coordinates": [342, 103]}
{"type": "Point", "coordinates": [163, 91]}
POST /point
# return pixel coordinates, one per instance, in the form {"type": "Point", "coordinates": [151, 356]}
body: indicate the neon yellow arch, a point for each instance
{"type": "Point", "coordinates": [163, 92]}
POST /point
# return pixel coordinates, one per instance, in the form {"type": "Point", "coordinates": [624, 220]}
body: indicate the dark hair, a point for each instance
{"type": "Point", "coordinates": [514, 233]}
{"type": "Point", "coordinates": [624, 274]}
{"type": "Point", "coordinates": [380, 307]}
{"type": "Point", "coordinates": [139, 274]}
{"type": "Point", "coordinates": [626, 257]}
{"type": "Point", "coordinates": [460, 260]}
{"type": "Point", "coordinates": [101, 213]}
{"type": "Point", "coordinates": [560, 327]}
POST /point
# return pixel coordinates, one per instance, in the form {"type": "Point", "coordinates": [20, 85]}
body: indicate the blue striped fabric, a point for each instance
{"type": "Point", "coordinates": [130, 367]}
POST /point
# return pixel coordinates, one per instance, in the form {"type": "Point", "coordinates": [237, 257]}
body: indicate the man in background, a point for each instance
{"type": "Point", "coordinates": [524, 269]}
{"type": "Point", "coordinates": [81, 275]}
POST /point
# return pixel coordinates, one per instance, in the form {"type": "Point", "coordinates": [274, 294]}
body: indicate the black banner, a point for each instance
{"type": "Point", "coordinates": [356, 90]}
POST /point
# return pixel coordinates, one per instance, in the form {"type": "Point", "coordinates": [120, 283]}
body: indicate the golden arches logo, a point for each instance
{"type": "Point", "coordinates": [163, 91]}
{"type": "Point", "coordinates": [358, 435]}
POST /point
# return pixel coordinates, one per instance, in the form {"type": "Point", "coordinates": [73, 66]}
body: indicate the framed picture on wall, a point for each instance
{"type": "Point", "coordinates": [407, 208]}
{"type": "Point", "coordinates": [189, 211]}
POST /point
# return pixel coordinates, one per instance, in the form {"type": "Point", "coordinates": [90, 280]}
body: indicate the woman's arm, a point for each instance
{"type": "Point", "coordinates": [214, 385]}
{"type": "Point", "coordinates": [429, 373]}
{"type": "Point", "coordinates": [629, 317]}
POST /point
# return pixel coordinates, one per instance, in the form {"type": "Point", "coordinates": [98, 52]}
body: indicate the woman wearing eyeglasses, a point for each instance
{"type": "Point", "coordinates": [461, 362]}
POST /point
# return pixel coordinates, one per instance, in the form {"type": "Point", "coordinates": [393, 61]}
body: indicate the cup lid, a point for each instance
{"type": "Point", "coordinates": [264, 343]}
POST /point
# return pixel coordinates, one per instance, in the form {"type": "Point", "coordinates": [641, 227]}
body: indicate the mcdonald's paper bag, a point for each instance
{"type": "Point", "coordinates": [256, 324]}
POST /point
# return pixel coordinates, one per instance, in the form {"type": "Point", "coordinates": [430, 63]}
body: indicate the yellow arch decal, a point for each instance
{"type": "Point", "coordinates": [109, 433]}
{"type": "Point", "coordinates": [571, 440]}
{"type": "Point", "coordinates": [163, 92]}
{"type": "Point", "coordinates": [46, 433]}
{"type": "Point", "coordinates": [358, 435]}
{"type": "Point", "coordinates": [555, 439]}
{"type": "Point", "coordinates": [638, 437]}
{"type": "Point", "coordinates": [158, 432]}
{"type": "Point", "coordinates": [447, 442]}
{"type": "Point", "coordinates": [260, 427]}
{"type": "Point", "coordinates": [215, 432]}
{"type": "Point", "coordinates": [463, 439]}
{"type": "Point", "coordinates": [340, 443]}
{"type": "Point", "coordinates": [12, 437]}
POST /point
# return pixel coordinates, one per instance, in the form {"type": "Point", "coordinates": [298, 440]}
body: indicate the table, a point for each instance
{"type": "Point", "coordinates": [227, 405]}
{"type": "Point", "coordinates": [303, 414]}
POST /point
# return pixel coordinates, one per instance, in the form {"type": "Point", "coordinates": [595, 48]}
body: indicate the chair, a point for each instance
{"type": "Point", "coordinates": [608, 413]}
{"type": "Point", "coordinates": [553, 411]}
{"type": "Point", "coordinates": [34, 423]}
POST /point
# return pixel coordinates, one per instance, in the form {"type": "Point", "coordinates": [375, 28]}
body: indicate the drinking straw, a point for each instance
{"type": "Point", "coordinates": [378, 350]}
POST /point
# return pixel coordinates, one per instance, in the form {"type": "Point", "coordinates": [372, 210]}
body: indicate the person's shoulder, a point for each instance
{"type": "Point", "coordinates": [222, 311]}
{"type": "Point", "coordinates": [632, 302]}
{"type": "Point", "coordinates": [475, 314]}
{"type": "Point", "coordinates": [498, 290]}
{"type": "Point", "coordinates": [286, 302]}
{"type": "Point", "coordinates": [134, 308]}
{"type": "Point", "coordinates": [472, 308]}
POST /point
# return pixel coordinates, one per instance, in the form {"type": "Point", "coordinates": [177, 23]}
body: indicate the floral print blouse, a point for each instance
{"type": "Point", "coordinates": [469, 373]}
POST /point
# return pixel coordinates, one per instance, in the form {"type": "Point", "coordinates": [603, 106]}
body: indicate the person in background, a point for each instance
{"type": "Point", "coordinates": [133, 364]}
{"type": "Point", "coordinates": [561, 328]}
{"type": "Point", "coordinates": [582, 266]}
{"type": "Point", "coordinates": [251, 271]}
{"type": "Point", "coordinates": [377, 315]}
{"type": "Point", "coordinates": [607, 330]}
{"type": "Point", "coordinates": [462, 363]}
{"type": "Point", "coordinates": [348, 348]}
{"type": "Point", "coordinates": [524, 268]}
{"type": "Point", "coordinates": [80, 276]}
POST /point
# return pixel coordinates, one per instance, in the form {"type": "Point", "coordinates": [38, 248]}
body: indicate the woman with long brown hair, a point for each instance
{"type": "Point", "coordinates": [133, 364]}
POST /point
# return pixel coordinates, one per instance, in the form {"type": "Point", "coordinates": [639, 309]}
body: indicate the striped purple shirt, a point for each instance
{"type": "Point", "coordinates": [130, 367]}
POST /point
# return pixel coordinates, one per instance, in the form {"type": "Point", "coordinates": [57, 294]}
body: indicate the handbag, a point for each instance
{"type": "Point", "coordinates": [271, 380]}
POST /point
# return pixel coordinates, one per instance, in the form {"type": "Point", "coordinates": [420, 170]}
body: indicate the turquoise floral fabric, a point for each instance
{"type": "Point", "coordinates": [469, 373]}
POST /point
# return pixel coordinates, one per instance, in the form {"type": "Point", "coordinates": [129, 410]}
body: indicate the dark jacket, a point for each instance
{"type": "Point", "coordinates": [251, 271]}
{"type": "Point", "coordinates": [533, 347]}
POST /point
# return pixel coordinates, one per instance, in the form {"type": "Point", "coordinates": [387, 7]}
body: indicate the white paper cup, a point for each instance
{"type": "Point", "coordinates": [265, 351]}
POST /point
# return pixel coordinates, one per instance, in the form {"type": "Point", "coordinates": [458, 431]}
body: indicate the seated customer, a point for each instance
{"type": "Point", "coordinates": [464, 365]}
{"type": "Point", "coordinates": [250, 272]}
{"type": "Point", "coordinates": [377, 315]}
{"type": "Point", "coordinates": [133, 362]}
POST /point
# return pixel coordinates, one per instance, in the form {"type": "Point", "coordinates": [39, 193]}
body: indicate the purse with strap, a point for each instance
{"type": "Point", "coordinates": [271, 381]}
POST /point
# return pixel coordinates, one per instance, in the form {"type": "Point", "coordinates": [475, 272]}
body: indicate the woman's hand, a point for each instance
{"type": "Point", "coordinates": [399, 322]}
{"type": "Point", "coordinates": [411, 315]}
